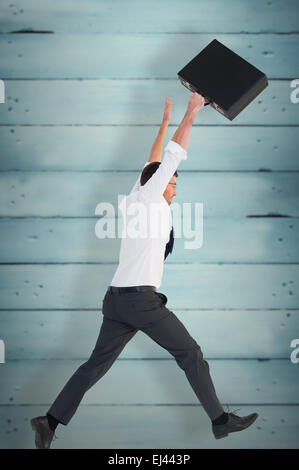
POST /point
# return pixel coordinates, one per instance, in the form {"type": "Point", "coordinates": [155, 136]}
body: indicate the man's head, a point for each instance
{"type": "Point", "coordinates": [170, 190]}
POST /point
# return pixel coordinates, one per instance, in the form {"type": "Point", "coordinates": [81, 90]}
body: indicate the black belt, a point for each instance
{"type": "Point", "coordinates": [122, 290]}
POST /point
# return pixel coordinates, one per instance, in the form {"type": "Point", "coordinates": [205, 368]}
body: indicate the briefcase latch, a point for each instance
{"type": "Point", "coordinates": [215, 105]}
{"type": "Point", "coordinates": [187, 85]}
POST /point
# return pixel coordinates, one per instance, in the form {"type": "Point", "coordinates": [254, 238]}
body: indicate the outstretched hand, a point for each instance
{"type": "Point", "coordinates": [167, 109]}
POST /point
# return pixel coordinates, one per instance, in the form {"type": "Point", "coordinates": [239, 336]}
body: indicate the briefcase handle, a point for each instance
{"type": "Point", "coordinates": [192, 89]}
{"type": "Point", "coordinates": [207, 102]}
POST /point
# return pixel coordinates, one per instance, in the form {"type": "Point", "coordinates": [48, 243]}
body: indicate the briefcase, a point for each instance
{"type": "Point", "coordinates": [226, 81]}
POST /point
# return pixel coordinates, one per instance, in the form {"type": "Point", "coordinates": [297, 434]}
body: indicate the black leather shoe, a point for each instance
{"type": "Point", "coordinates": [234, 423]}
{"type": "Point", "coordinates": [43, 432]}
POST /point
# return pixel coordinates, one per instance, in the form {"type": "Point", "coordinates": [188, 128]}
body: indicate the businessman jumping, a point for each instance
{"type": "Point", "coordinates": [132, 303]}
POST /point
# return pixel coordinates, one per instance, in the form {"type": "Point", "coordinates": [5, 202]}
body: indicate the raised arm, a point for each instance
{"type": "Point", "coordinates": [175, 151]}
{"type": "Point", "coordinates": [182, 134]}
{"type": "Point", "coordinates": [157, 147]}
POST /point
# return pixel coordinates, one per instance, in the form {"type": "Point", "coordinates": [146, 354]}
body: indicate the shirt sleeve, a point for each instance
{"type": "Point", "coordinates": [137, 184]}
{"type": "Point", "coordinates": [156, 185]}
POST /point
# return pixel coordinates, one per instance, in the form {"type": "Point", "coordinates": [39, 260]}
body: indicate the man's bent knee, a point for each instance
{"type": "Point", "coordinates": [188, 356]}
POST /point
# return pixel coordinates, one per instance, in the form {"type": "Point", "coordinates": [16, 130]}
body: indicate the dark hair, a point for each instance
{"type": "Point", "coordinates": [149, 170]}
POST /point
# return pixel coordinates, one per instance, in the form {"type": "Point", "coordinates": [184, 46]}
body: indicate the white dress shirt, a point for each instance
{"type": "Point", "coordinates": [141, 258]}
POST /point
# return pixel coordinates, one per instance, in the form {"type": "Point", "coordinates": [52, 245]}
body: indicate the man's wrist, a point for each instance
{"type": "Point", "coordinates": [190, 115]}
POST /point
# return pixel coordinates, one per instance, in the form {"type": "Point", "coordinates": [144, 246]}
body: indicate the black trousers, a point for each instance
{"type": "Point", "coordinates": [123, 315]}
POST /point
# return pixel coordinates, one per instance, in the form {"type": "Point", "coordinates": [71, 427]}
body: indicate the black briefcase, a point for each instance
{"type": "Point", "coordinates": [226, 81]}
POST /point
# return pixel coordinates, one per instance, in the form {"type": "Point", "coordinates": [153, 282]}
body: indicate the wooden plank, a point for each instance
{"type": "Point", "coordinates": [152, 427]}
{"type": "Point", "coordinates": [225, 334]}
{"type": "Point", "coordinates": [94, 102]}
{"type": "Point", "coordinates": [213, 286]}
{"type": "Point", "coordinates": [135, 55]}
{"type": "Point", "coordinates": [102, 148]}
{"type": "Point", "coordinates": [34, 382]}
{"type": "Point", "coordinates": [252, 240]}
{"type": "Point", "coordinates": [106, 16]}
{"type": "Point", "coordinates": [78, 194]}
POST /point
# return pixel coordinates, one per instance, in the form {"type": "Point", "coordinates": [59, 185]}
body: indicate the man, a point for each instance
{"type": "Point", "coordinates": [132, 302]}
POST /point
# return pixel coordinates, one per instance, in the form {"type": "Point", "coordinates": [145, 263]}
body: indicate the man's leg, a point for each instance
{"type": "Point", "coordinates": [170, 333]}
{"type": "Point", "coordinates": [111, 341]}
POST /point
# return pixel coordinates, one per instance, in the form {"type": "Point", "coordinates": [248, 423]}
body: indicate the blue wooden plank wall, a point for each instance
{"type": "Point", "coordinates": [85, 85]}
